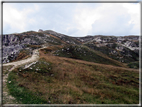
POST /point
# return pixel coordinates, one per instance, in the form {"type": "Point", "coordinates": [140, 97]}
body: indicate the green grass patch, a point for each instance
{"type": "Point", "coordinates": [133, 65]}
{"type": "Point", "coordinates": [19, 91]}
{"type": "Point", "coordinates": [22, 94]}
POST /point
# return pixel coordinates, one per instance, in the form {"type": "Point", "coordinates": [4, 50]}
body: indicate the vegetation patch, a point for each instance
{"type": "Point", "coordinates": [51, 49]}
{"type": "Point", "coordinates": [24, 53]}
{"type": "Point", "coordinates": [83, 53]}
{"type": "Point", "coordinates": [58, 80]}
{"type": "Point", "coordinates": [125, 56]}
{"type": "Point", "coordinates": [20, 82]}
{"type": "Point", "coordinates": [34, 46]}
{"type": "Point", "coordinates": [133, 65]}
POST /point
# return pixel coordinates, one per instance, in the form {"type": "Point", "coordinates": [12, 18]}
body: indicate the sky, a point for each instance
{"type": "Point", "coordinates": [73, 19]}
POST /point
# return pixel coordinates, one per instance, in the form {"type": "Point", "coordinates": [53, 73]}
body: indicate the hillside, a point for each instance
{"type": "Point", "coordinates": [124, 49]}
{"type": "Point", "coordinates": [59, 80]}
{"type": "Point", "coordinates": [83, 53]}
{"type": "Point", "coordinates": [70, 70]}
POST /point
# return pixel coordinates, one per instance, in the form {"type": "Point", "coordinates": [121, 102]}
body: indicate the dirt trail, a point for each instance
{"type": "Point", "coordinates": [8, 99]}
{"type": "Point", "coordinates": [34, 57]}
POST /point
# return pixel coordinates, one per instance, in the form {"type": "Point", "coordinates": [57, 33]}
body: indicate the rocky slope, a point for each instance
{"type": "Point", "coordinates": [122, 48]}
{"type": "Point", "coordinates": [131, 42]}
{"type": "Point", "coordinates": [13, 43]}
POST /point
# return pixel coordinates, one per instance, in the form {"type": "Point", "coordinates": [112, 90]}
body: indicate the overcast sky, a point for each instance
{"type": "Point", "coordinates": [73, 19]}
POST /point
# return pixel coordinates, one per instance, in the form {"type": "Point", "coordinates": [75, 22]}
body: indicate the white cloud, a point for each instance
{"type": "Point", "coordinates": [109, 19]}
{"type": "Point", "coordinates": [134, 11]}
{"type": "Point", "coordinates": [12, 17]}
{"type": "Point", "coordinates": [75, 19]}
{"type": "Point", "coordinates": [17, 20]}
{"type": "Point", "coordinates": [85, 17]}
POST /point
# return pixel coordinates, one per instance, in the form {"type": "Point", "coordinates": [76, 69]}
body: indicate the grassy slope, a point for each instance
{"type": "Point", "coordinates": [64, 80]}
{"type": "Point", "coordinates": [134, 65]}
{"type": "Point", "coordinates": [84, 53]}
{"type": "Point", "coordinates": [107, 50]}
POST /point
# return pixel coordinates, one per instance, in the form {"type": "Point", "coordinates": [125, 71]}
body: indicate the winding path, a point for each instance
{"type": "Point", "coordinates": [34, 57]}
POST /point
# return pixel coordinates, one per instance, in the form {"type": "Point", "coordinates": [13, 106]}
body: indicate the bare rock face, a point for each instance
{"type": "Point", "coordinates": [11, 47]}
{"type": "Point", "coordinates": [10, 39]}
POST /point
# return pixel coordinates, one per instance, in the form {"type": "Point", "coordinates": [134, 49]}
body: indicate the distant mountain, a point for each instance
{"type": "Point", "coordinates": [121, 48]}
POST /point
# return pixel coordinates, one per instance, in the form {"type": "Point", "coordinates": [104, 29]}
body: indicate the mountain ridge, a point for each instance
{"type": "Point", "coordinates": [113, 46]}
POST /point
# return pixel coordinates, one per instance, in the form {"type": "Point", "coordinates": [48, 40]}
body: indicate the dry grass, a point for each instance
{"type": "Point", "coordinates": [73, 81]}
{"type": "Point", "coordinates": [105, 56]}
{"type": "Point", "coordinates": [24, 54]}
{"type": "Point", "coordinates": [57, 38]}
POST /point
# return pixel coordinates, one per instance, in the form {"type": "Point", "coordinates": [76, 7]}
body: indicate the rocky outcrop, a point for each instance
{"type": "Point", "coordinates": [131, 42]}
{"type": "Point", "coordinates": [11, 47]}
{"type": "Point", "coordinates": [115, 46]}
{"type": "Point", "coordinates": [124, 49]}
{"type": "Point", "coordinates": [14, 43]}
